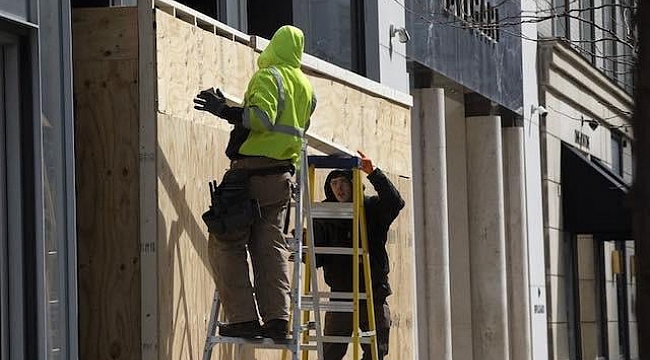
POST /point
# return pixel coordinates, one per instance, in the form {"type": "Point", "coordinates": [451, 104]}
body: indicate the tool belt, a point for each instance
{"type": "Point", "coordinates": [231, 207]}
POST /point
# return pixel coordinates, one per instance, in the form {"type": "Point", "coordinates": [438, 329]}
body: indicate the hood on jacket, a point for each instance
{"type": "Point", "coordinates": [329, 194]}
{"type": "Point", "coordinates": [285, 48]}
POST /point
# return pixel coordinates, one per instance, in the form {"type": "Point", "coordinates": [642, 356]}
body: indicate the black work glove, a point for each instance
{"type": "Point", "coordinates": [210, 100]}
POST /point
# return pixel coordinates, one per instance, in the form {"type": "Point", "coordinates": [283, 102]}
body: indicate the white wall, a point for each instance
{"type": "Point", "coordinates": [533, 186]}
{"type": "Point", "coordinates": [386, 57]}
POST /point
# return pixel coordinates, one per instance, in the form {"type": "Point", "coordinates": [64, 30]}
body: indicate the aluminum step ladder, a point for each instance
{"type": "Point", "coordinates": [307, 335]}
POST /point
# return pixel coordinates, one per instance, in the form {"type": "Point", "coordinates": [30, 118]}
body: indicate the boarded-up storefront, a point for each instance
{"type": "Point", "coordinates": [144, 159]}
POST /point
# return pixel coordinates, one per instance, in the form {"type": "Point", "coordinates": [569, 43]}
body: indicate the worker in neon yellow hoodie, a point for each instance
{"type": "Point", "coordinates": [266, 142]}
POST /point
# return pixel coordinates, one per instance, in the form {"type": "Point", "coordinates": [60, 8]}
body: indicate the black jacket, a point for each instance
{"type": "Point", "coordinates": [381, 210]}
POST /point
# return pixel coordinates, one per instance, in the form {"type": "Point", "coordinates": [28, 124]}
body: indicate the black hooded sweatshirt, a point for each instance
{"type": "Point", "coordinates": [381, 210]}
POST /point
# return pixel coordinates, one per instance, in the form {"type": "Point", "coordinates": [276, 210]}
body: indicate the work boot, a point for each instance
{"type": "Point", "coordinates": [248, 329]}
{"type": "Point", "coordinates": [276, 329]}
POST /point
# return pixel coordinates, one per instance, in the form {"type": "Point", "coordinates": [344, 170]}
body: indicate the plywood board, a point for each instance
{"type": "Point", "coordinates": [106, 147]}
{"type": "Point", "coordinates": [356, 120]}
{"type": "Point", "coordinates": [187, 157]}
{"type": "Point", "coordinates": [191, 59]}
{"type": "Point", "coordinates": [190, 153]}
{"type": "Point", "coordinates": [105, 34]}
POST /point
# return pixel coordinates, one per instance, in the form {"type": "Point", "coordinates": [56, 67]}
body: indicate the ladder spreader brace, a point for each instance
{"type": "Point", "coordinates": [305, 295]}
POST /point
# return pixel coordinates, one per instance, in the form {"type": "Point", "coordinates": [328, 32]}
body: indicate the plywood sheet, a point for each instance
{"type": "Point", "coordinates": [105, 34]}
{"type": "Point", "coordinates": [190, 152]}
{"type": "Point", "coordinates": [356, 120]}
{"type": "Point", "coordinates": [106, 147]}
{"type": "Point", "coordinates": [191, 59]}
{"type": "Point", "coordinates": [188, 156]}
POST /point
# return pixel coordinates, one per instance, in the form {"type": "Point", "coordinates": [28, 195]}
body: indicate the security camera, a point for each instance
{"type": "Point", "coordinates": [540, 110]}
{"type": "Point", "coordinates": [402, 34]}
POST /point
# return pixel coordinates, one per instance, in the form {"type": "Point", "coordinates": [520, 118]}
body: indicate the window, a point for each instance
{"type": "Point", "coordinates": [609, 46]}
{"type": "Point", "coordinates": [587, 36]}
{"type": "Point", "coordinates": [230, 12]}
{"type": "Point", "coordinates": [265, 17]}
{"type": "Point", "coordinates": [561, 21]}
{"type": "Point", "coordinates": [617, 153]}
{"type": "Point", "coordinates": [336, 33]}
{"type": "Point", "coordinates": [479, 15]}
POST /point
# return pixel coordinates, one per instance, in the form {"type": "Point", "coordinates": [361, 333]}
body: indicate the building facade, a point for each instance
{"type": "Point", "coordinates": [585, 75]}
{"type": "Point", "coordinates": [143, 254]}
{"type": "Point", "coordinates": [38, 302]}
{"type": "Point", "coordinates": [476, 166]}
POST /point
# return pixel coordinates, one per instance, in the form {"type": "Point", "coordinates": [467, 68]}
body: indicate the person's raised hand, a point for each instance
{"type": "Point", "coordinates": [366, 163]}
{"type": "Point", "coordinates": [210, 100]}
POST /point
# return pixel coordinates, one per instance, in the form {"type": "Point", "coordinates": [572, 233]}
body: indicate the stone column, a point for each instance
{"type": "Point", "coordinates": [431, 224]}
{"type": "Point", "coordinates": [461, 295]}
{"type": "Point", "coordinates": [516, 243]}
{"type": "Point", "coordinates": [487, 238]}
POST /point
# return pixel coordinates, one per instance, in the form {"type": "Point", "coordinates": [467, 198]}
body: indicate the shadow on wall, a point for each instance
{"type": "Point", "coordinates": [178, 303]}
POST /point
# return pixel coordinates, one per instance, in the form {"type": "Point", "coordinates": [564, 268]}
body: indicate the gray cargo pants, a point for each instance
{"type": "Point", "coordinates": [267, 247]}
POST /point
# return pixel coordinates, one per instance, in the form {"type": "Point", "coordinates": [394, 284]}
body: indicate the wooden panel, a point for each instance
{"type": "Point", "coordinates": [402, 276]}
{"type": "Point", "coordinates": [355, 120]}
{"type": "Point", "coordinates": [191, 59]}
{"type": "Point", "coordinates": [106, 141]}
{"type": "Point", "coordinates": [106, 147]}
{"type": "Point", "coordinates": [190, 153]}
{"type": "Point", "coordinates": [188, 157]}
{"type": "Point", "coordinates": [105, 34]}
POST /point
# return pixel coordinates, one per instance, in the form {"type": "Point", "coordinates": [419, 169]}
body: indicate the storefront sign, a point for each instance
{"type": "Point", "coordinates": [581, 139]}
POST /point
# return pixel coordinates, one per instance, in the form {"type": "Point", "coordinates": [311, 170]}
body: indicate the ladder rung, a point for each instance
{"type": "Point", "coordinates": [331, 250]}
{"type": "Point", "coordinates": [343, 339]}
{"type": "Point", "coordinates": [335, 306]}
{"type": "Point", "coordinates": [332, 210]}
{"type": "Point", "coordinates": [262, 343]}
{"type": "Point", "coordinates": [336, 295]}
{"type": "Point", "coordinates": [258, 342]}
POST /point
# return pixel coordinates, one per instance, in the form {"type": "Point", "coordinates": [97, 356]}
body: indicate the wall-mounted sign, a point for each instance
{"type": "Point", "coordinates": [581, 138]}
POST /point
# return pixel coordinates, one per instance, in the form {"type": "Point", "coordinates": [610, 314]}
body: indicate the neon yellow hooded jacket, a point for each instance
{"type": "Point", "coordinates": [279, 99]}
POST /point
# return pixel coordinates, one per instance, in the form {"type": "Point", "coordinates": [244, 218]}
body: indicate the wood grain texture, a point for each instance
{"type": "Point", "coordinates": [190, 153]}
{"type": "Point", "coordinates": [106, 147]}
{"type": "Point", "coordinates": [105, 34]}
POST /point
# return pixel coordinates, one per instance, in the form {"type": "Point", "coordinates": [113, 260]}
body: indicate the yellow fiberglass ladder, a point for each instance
{"type": "Point", "coordinates": [307, 302]}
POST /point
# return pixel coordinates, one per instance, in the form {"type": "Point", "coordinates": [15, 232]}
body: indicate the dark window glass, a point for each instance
{"type": "Point", "coordinates": [560, 22]}
{"type": "Point", "coordinates": [586, 43]}
{"type": "Point", "coordinates": [336, 33]}
{"type": "Point", "coordinates": [609, 26]}
{"type": "Point", "coordinates": [265, 17]}
{"type": "Point", "coordinates": [617, 154]}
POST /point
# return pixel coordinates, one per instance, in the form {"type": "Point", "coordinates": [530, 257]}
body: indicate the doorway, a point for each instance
{"type": "Point", "coordinates": [12, 314]}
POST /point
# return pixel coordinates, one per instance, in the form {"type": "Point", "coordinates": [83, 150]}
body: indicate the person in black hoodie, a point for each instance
{"type": "Point", "coordinates": [381, 210]}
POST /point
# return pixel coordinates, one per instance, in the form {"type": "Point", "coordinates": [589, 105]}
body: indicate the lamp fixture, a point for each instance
{"type": "Point", "coordinates": [593, 124]}
{"type": "Point", "coordinates": [401, 32]}
{"type": "Point", "coordinates": [538, 109]}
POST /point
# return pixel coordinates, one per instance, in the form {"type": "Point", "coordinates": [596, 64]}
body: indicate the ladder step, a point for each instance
{"type": "Point", "coordinates": [257, 342]}
{"type": "Point", "coordinates": [336, 295]}
{"type": "Point", "coordinates": [332, 250]}
{"type": "Point", "coordinates": [336, 306]}
{"type": "Point", "coordinates": [332, 210]}
{"type": "Point", "coordinates": [262, 343]}
{"type": "Point", "coordinates": [364, 338]}
{"type": "Point", "coordinates": [326, 250]}
{"type": "Point", "coordinates": [333, 162]}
